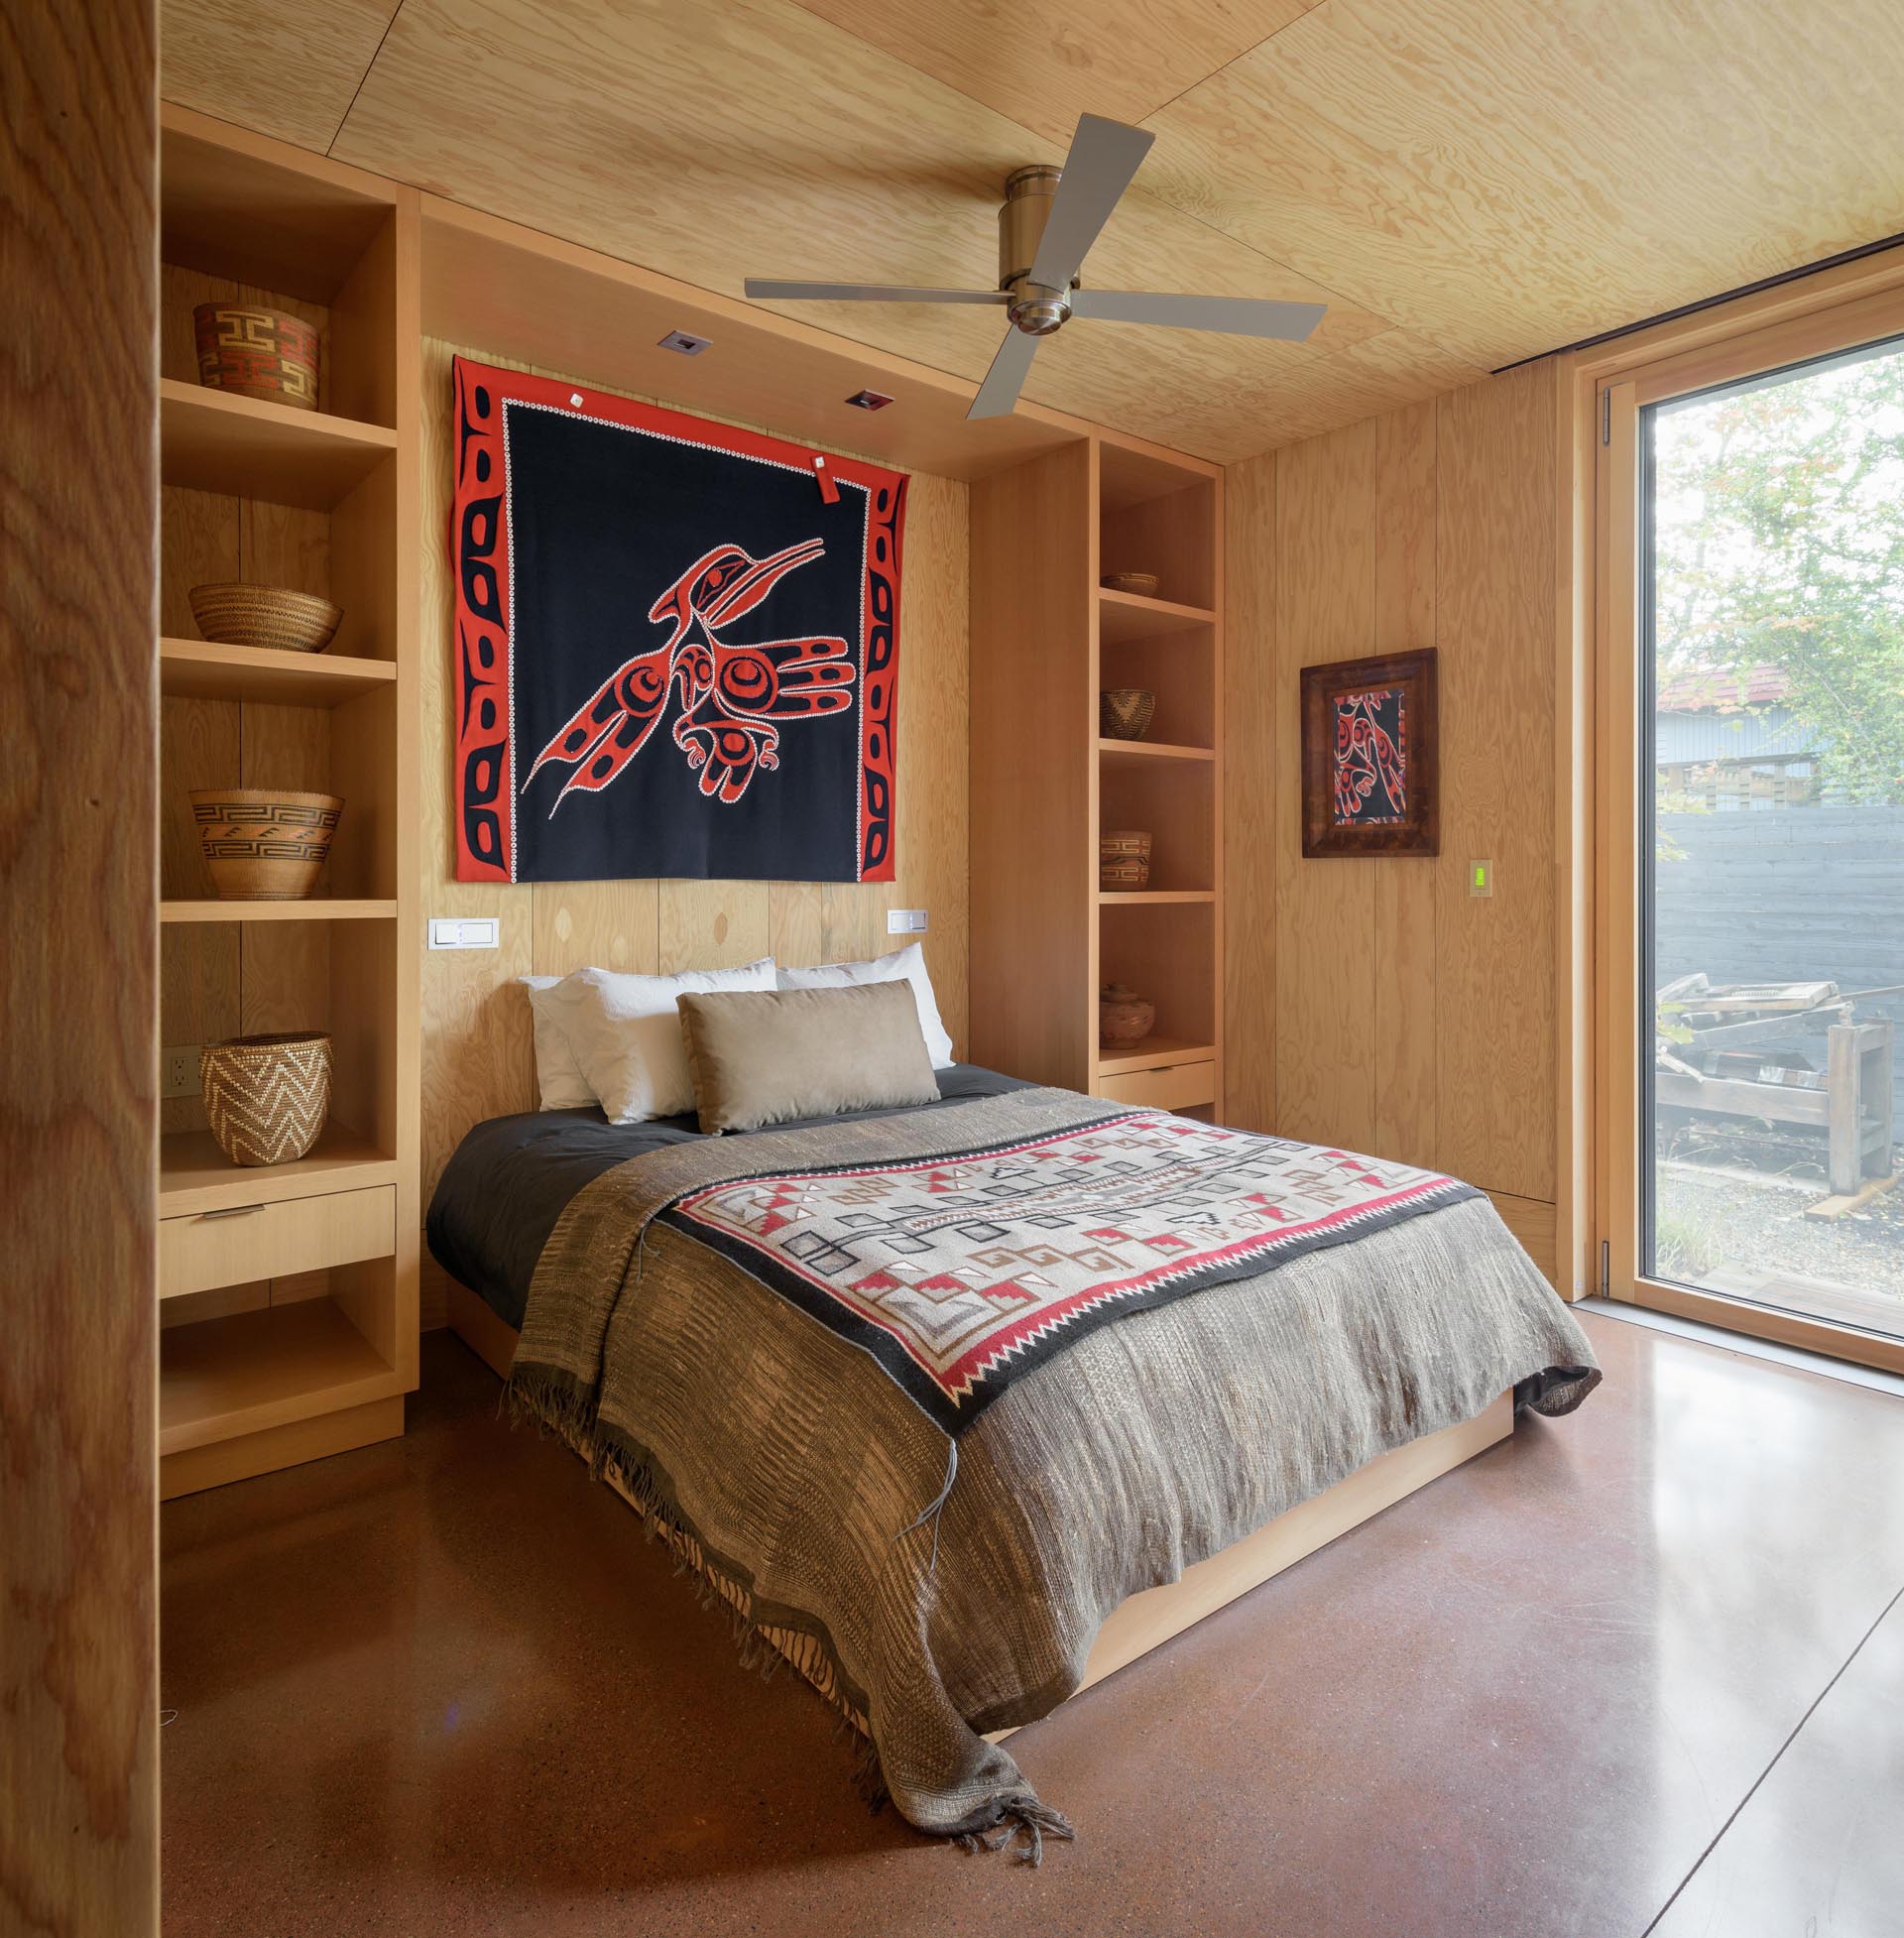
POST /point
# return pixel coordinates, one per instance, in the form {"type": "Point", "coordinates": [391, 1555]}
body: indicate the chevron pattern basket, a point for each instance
{"type": "Point", "coordinates": [267, 1097]}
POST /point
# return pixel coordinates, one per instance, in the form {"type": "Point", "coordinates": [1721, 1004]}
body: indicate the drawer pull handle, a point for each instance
{"type": "Point", "coordinates": [230, 1211]}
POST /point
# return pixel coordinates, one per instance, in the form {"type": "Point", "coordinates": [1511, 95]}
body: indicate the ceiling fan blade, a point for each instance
{"type": "Point", "coordinates": [1291, 322]}
{"type": "Point", "coordinates": [1003, 382]}
{"type": "Point", "coordinates": [761, 286]}
{"type": "Point", "coordinates": [1104, 157]}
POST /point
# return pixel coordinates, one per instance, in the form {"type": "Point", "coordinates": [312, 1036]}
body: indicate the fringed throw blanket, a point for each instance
{"type": "Point", "coordinates": [774, 1343]}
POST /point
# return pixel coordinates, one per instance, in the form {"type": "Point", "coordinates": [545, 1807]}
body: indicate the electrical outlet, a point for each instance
{"type": "Point", "coordinates": [178, 1071]}
{"type": "Point", "coordinates": [905, 921]}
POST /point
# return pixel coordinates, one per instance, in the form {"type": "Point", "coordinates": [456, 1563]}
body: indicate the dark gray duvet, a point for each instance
{"type": "Point", "coordinates": [511, 1177]}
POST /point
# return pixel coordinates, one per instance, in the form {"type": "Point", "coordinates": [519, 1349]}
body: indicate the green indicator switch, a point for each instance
{"type": "Point", "coordinates": [1481, 877]}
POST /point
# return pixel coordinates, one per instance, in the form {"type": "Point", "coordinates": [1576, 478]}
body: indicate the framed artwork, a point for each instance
{"type": "Point", "coordinates": [1371, 759]}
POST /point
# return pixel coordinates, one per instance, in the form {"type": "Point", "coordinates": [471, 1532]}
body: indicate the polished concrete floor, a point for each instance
{"type": "Point", "coordinates": [1639, 1670]}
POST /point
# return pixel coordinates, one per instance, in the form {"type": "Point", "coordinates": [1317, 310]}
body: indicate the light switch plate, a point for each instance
{"type": "Point", "coordinates": [464, 933]}
{"type": "Point", "coordinates": [1481, 877]}
{"type": "Point", "coordinates": [905, 921]}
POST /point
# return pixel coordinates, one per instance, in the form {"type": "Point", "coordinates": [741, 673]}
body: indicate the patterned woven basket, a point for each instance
{"type": "Point", "coordinates": [267, 1097]}
{"type": "Point", "coordinates": [264, 844]}
{"type": "Point", "coordinates": [230, 614]}
{"type": "Point", "coordinates": [256, 352]}
{"type": "Point", "coordinates": [1124, 861]}
{"type": "Point", "coordinates": [1125, 712]}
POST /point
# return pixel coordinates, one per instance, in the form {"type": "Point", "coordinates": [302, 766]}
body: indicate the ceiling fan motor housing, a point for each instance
{"type": "Point", "coordinates": [1022, 214]}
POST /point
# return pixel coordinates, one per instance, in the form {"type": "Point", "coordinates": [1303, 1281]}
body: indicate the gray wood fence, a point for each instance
{"type": "Point", "coordinates": [1785, 895]}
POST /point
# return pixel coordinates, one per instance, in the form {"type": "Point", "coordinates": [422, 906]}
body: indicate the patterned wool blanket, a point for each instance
{"type": "Point", "coordinates": [1136, 1338]}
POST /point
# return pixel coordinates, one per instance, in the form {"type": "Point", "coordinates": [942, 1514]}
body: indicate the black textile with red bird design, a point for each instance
{"type": "Point", "coordinates": [677, 644]}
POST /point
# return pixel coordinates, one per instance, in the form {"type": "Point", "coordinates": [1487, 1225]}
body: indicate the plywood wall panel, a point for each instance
{"type": "Point", "coordinates": [1405, 1122]}
{"type": "Point", "coordinates": [478, 1057]}
{"type": "Point", "coordinates": [78, 1635]}
{"type": "Point", "coordinates": [1397, 1013]}
{"type": "Point", "coordinates": [1495, 991]}
{"type": "Point", "coordinates": [1252, 694]}
{"type": "Point", "coordinates": [1325, 541]}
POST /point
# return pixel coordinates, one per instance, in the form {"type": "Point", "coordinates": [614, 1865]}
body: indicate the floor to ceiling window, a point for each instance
{"type": "Point", "coordinates": [1760, 730]}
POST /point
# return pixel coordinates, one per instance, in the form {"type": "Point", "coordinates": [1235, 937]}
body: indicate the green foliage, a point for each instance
{"type": "Point", "coordinates": [1780, 541]}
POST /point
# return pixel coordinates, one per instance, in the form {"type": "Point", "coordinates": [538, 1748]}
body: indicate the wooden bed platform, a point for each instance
{"type": "Point", "coordinates": [1152, 1617]}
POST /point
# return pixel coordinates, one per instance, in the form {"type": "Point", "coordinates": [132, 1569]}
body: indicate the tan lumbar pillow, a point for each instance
{"type": "Point", "coordinates": [766, 1057]}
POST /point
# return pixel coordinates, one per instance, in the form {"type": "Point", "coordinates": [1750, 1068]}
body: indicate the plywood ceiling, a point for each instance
{"type": "Point", "coordinates": [1464, 181]}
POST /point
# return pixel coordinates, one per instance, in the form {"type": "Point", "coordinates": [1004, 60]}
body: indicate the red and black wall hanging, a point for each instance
{"type": "Point", "coordinates": [677, 644]}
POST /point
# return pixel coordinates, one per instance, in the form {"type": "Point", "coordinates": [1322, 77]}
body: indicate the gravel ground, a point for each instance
{"type": "Point", "coordinates": [1729, 1196]}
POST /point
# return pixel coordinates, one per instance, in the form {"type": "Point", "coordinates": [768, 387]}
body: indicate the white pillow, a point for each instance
{"type": "Point", "coordinates": [627, 1033]}
{"type": "Point", "coordinates": [558, 1077]}
{"type": "Point", "coordinates": [903, 965]}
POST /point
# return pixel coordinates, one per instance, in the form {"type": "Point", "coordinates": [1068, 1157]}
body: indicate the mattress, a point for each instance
{"type": "Point", "coordinates": [511, 1177]}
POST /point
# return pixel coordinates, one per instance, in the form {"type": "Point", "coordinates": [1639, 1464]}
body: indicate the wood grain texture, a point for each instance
{"type": "Point", "coordinates": [1465, 183]}
{"type": "Point", "coordinates": [1496, 995]}
{"type": "Point", "coordinates": [1046, 63]}
{"type": "Point", "coordinates": [1251, 691]}
{"type": "Point", "coordinates": [1404, 885]}
{"type": "Point", "coordinates": [1325, 540]}
{"type": "Point", "coordinates": [1504, 180]}
{"type": "Point", "coordinates": [293, 79]}
{"type": "Point", "coordinates": [478, 1055]}
{"type": "Point", "coordinates": [1034, 770]}
{"type": "Point", "coordinates": [700, 105]}
{"type": "Point", "coordinates": [1408, 1018]}
{"type": "Point", "coordinates": [79, 1725]}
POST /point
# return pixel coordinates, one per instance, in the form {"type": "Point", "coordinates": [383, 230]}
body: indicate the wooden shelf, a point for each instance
{"type": "Point", "coordinates": [318, 908]}
{"type": "Point", "coordinates": [1130, 616]}
{"type": "Point", "coordinates": [201, 669]}
{"type": "Point", "coordinates": [222, 1378]}
{"type": "Point", "coordinates": [213, 442]}
{"type": "Point", "coordinates": [1153, 1053]}
{"type": "Point", "coordinates": [196, 1177]}
{"type": "Point", "coordinates": [1152, 750]}
{"type": "Point", "coordinates": [1153, 898]}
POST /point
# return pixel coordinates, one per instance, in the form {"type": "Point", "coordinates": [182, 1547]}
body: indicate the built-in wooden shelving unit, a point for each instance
{"type": "Point", "coordinates": [1047, 637]}
{"type": "Point", "coordinates": [288, 1292]}
{"type": "Point", "coordinates": [200, 670]}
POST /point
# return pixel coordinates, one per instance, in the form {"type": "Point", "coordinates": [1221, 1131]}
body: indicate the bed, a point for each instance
{"type": "Point", "coordinates": [961, 1407]}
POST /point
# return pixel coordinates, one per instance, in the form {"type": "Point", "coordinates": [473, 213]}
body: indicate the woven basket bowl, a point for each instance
{"type": "Point", "coordinates": [1144, 584]}
{"type": "Point", "coordinates": [267, 1097]}
{"type": "Point", "coordinates": [1125, 712]}
{"type": "Point", "coordinates": [1124, 1018]}
{"type": "Point", "coordinates": [272, 616]}
{"type": "Point", "coordinates": [256, 352]}
{"type": "Point", "coordinates": [1124, 861]}
{"type": "Point", "coordinates": [264, 844]}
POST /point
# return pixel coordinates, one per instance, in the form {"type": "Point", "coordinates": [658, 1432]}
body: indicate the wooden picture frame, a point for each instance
{"type": "Point", "coordinates": [1372, 757]}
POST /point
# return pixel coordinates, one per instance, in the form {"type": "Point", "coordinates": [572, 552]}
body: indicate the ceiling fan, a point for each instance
{"type": "Point", "coordinates": [1047, 224]}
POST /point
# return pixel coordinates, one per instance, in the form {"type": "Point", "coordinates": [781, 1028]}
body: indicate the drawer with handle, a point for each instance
{"type": "Point", "coordinates": [231, 1246]}
{"type": "Point", "coordinates": [1175, 1087]}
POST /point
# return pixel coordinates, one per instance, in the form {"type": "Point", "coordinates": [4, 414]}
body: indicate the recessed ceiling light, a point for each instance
{"type": "Point", "coordinates": [870, 399]}
{"type": "Point", "coordinates": [679, 339]}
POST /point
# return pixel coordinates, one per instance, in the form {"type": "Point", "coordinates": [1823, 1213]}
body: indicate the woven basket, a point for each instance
{"type": "Point", "coordinates": [1144, 584]}
{"type": "Point", "coordinates": [267, 1097]}
{"type": "Point", "coordinates": [1124, 861]}
{"type": "Point", "coordinates": [1124, 1018]}
{"type": "Point", "coordinates": [1125, 712]}
{"type": "Point", "coordinates": [256, 352]}
{"type": "Point", "coordinates": [264, 844]}
{"type": "Point", "coordinates": [273, 616]}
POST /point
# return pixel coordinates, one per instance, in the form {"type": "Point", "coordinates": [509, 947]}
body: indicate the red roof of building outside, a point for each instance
{"type": "Point", "coordinates": [1726, 691]}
